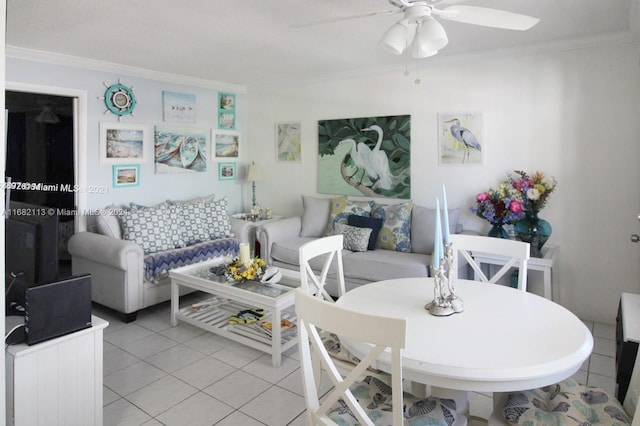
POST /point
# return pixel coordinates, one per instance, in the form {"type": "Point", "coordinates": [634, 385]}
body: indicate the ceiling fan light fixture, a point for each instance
{"type": "Point", "coordinates": [398, 37]}
{"type": "Point", "coordinates": [430, 36]}
{"type": "Point", "coordinates": [47, 116]}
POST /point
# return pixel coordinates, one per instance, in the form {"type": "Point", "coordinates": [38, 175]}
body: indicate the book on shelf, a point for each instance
{"type": "Point", "coordinates": [264, 328]}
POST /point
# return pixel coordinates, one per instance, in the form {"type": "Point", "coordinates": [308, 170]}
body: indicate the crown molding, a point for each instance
{"type": "Point", "coordinates": [95, 65]}
{"type": "Point", "coordinates": [457, 59]}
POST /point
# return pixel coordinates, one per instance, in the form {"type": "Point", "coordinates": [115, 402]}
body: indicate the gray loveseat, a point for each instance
{"type": "Point", "coordinates": [401, 249]}
{"type": "Point", "coordinates": [132, 249]}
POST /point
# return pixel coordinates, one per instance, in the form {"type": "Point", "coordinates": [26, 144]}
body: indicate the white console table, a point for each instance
{"type": "Point", "coordinates": [57, 382]}
{"type": "Point", "coordinates": [544, 264]}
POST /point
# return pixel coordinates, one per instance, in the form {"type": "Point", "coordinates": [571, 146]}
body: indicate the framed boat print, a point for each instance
{"type": "Point", "coordinates": [180, 149]}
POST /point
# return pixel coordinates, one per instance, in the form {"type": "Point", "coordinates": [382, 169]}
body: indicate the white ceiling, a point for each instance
{"type": "Point", "coordinates": [250, 42]}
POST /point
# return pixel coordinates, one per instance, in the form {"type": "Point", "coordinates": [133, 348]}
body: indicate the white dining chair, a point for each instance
{"type": "Point", "coordinates": [322, 253]}
{"type": "Point", "coordinates": [369, 401]}
{"type": "Point", "coordinates": [568, 403]}
{"type": "Point", "coordinates": [515, 252]}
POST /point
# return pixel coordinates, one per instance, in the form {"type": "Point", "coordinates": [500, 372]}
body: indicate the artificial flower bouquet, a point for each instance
{"type": "Point", "coordinates": [250, 271]}
{"type": "Point", "coordinates": [498, 206]}
{"type": "Point", "coordinates": [532, 191]}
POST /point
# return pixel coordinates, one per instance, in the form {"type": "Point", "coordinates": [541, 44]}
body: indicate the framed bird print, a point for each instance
{"type": "Point", "coordinates": [461, 139]}
{"type": "Point", "coordinates": [365, 156]}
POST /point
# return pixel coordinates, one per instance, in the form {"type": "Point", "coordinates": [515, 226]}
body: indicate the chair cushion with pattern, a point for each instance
{"type": "Point", "coordinates": [563, 403]}
{"type": "Point", "coordinates": [375, 397]}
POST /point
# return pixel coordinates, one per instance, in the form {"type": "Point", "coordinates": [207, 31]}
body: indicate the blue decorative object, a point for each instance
{"type": "Point", "coordinates": [498, 231]}
{"type": "Point", "coordinates": [534, 231]}
{"type": "Point", "coordinates": [120, 99]}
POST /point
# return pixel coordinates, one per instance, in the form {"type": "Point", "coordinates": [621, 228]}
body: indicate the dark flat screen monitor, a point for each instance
{"type": "Point", "coordinates": [31, 250]}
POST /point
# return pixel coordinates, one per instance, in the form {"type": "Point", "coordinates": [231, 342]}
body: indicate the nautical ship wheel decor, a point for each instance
{"type": "Point", "coordinates": [119, 99]}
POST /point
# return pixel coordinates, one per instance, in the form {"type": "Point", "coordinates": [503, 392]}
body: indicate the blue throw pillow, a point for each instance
{"type": "Point", "coordinates": [367, 222]}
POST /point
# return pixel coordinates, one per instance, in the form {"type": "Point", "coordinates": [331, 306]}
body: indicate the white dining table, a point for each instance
{"type": "Point", "coordinates": [505, 339]}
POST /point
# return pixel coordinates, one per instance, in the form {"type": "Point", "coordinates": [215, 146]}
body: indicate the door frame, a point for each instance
{"type": "Point", "coordinates": [79, 139]}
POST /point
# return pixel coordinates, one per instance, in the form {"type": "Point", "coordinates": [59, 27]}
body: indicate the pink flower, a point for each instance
{"type": "Point", "coordinates": [515, 206]}
{"type": "Point", "coordinates": [483, 196]}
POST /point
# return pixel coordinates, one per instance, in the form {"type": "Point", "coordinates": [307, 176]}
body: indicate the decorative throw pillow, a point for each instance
{"type": "Point", "coordinates": [206, 199]}
{"type": "Point", "coordinates": [216, 219]}
{"type": "Point", "coordinates": [315, 216]}
{"type": "Point", "coordinates": [395, 233]}
{"type": "Point", "coordinates": [341, 208]}
{"type": "Point", "coordinates": [423, 223]}
{"type": "Point", "coordinates": [191, 220]}
{"type": "Point", "coordinates": [108, 221]}
{"type": "Point", "coordinates": [375, 224]}
{"type": "Point", "coordinates": [355, 239]}
{"type": "Point", "coordinates": [150, 228]}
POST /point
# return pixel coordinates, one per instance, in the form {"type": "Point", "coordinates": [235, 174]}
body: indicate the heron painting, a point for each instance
{"type": "Point", "coordinates": [365, 156]}
{"type": "Point", "coordinates": [460, 138]}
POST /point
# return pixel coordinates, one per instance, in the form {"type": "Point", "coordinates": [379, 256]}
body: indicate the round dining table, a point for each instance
{"type": "Point", "coordinates": [505, 339]}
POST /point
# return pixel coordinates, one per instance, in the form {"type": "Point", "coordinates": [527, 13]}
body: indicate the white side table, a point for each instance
{"type": "Point", "coordinates": [544, 264]}
{"type": "Point", "coordinates": [57, 382]}
{"type": "Point", "coordinates": [253, 243]}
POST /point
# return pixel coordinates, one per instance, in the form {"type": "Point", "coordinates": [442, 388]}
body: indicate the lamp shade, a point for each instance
{"type": "Point", "coordinates": [254, 173]}
{"type": "Point", "coordinates": [430, 37]}
{"type": "Point", "coordinates": [398, 37]}
{"type": "Point", "coordinates": [47, 116]}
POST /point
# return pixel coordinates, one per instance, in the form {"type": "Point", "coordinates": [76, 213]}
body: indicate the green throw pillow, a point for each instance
{"type": "Point", "coordinates": [395, 233]}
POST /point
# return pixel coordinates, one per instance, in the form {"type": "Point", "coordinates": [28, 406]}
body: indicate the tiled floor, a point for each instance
{"type": "Point", "coordinates": [155, 374]}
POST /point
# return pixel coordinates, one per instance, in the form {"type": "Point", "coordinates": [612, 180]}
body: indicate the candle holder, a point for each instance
{"type": "Point", "coordinates": [445, 302]}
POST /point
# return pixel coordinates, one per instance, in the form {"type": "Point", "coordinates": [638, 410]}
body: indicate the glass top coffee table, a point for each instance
{"type": "Point", "coordinates": [230, 298]}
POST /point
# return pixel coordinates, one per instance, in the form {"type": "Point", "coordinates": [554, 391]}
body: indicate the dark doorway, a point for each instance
{"type": "Point", "coordinates": [40, 150]}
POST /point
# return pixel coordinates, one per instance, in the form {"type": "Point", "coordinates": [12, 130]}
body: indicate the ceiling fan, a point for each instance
{"type": "Point", "coordinates": [419, 27]}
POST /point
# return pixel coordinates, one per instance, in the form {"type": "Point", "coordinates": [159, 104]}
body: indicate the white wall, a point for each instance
{"type": "Point", "coordinates": [574, 115]}
{"type": "Point", "coordinates": [153, 187]}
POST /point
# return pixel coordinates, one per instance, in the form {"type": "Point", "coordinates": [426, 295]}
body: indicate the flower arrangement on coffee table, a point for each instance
{"type": "Point", "coordinates": [249, 271]}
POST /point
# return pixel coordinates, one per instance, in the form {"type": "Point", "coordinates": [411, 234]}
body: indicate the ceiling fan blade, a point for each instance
{"type": "Point", "coordinates": [487, 17]}
{"type": "Point", "coordinates": [344, 18]}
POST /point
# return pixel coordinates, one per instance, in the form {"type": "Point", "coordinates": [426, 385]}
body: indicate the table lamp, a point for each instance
{"type": "Point", "coordinates": [254, 174]}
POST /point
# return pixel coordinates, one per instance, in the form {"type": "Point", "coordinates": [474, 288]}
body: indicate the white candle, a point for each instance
{"type": "Point", "coordinates": [437, 239]}
{"type": "Point", "coordinates": [244, 253]}
{"type": "Point", "coordinates": [445, 215]}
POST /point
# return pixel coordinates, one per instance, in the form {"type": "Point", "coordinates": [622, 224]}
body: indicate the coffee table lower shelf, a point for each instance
{"type": "Point", "coordinates": [215, 319]}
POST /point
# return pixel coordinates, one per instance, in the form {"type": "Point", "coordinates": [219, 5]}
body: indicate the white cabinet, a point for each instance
{"type": "Point", "coordinates": [57, 382]}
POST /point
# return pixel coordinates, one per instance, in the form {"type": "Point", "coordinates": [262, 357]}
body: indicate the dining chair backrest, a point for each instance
{"type": "Point", "coordinates": [516, 254]}
{"type": "Point", "coordinates": [315, 314]}
{"type": "Point", "coordinates": [330, 248]}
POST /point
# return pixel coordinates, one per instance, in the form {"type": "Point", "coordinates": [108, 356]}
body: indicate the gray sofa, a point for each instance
{"type": "Point", "coordinates": [131, 250]}
{"type": "Point", "coordinates": [402, 249]}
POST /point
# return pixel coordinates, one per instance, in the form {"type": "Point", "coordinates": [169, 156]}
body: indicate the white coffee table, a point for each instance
{"type": "Point", "coordinates": [230, 298]}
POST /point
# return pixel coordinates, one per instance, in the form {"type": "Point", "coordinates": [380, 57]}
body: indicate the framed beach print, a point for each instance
{"type": "Point", "coordinates": [226, 111]}
{"type": "Point", "coordinates": [288, 142]}
{"type": "Point", "coordinates": [225, 144]}
{"type": "Point", "coordinates": [123, 143]}
{"type": "Point", "coordinates": [126, 175]}
{"type": "Point", "coordinates": [227, 171]}
{"type": "Point", "coordinates": [178, 107]}
{"type": "Point", "coordinates": [461, 139]}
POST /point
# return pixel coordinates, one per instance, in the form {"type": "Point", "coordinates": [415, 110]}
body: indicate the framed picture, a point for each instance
{"type": "Point", "coordinates": [288, 142]}
{"type": "Point", "coordinates": [123, 143]}
{"type": "Point", "coordinates": [225, 144]}
{"type": "Point", "coordinates": [365, 156]}
{"type": "Point", "coordinates": [226, 171]}
{"type": "Point", "coordinates": [180, 149]}
{"type": "Point", "coordinates": [226, 111]}
{"type": "Point", "coordinates": [178, 107]}
{"type": "Point", "coordinates": [461, 139]}
{"type": "Point", "coordinates": [126, 175]}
